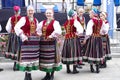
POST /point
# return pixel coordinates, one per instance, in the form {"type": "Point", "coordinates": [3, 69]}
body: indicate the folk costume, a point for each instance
{"type": "Point", "coordinates": [28, 57]}
{"type": "Point", "coordinates": [13, 40]}
{"type": "Point", "coordinates": [49, 58]}
{"type": "Point", "coordinates": [81, 19]}
{"type": "Point", "coordinates": [105, 39]}
{"type": "Point", "coordinates": [71, 52]}
{"type": "Point", "coordinates": [94, 49]}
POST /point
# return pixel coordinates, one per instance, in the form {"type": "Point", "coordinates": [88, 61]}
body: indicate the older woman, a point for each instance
{"type": "Point", "coordinates": [26, 30]}
{"type": "Point", "coordinates": [71, 52]}
{"type": "Point", "coordinates": [49, 30]}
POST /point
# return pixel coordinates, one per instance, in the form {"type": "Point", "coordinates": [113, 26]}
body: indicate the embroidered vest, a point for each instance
{"type": "Point", "coordinates": [96, 27]}
{"type": "Point", "coordinates": [70, 29]}
{"type": "Point", "coordinates": [47, 29]}
{"type": "Point", "coordinates": [29, 28]}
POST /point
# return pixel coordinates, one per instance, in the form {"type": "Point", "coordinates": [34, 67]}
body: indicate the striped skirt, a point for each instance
{"type": "Point", "coordinates": [49, 58]}
{"type": "Point", "coordinates": [13, 46]}
{"type": "Point", "coordinates": [28, 59]}
{"type": "Point", "coordinates": [106, 47]}
{"type": "Point", "coordinates": [71, 52]}
{"type": "Point", "coordinates": [94, 50]}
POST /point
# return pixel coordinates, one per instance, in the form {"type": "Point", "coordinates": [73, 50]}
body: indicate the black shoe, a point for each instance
{"type": "Point", "coordinates": [47, 77]}
{"type": "Point", "coordinates": [26, 76]}
{"type": "Point", "coordinates": [68, 69]}
{"type": "Point", "coordinates": [29, 76]}
{"type": "Point", "coordinates": [75, 70]}
{"type": "Point", "coordinates": [102, 66]}
{"type": "Point", "coordinates": [97, 69]}
{"type": "Point", "coordinates": [91, 68]}
{"type": "Point", "coordinates": [79, 66]}
{"type": "Point", "coordinates": [51, 78]}
{"type": "Point", "coordinates": [14, 67]}
{"type": "Point", "coordinates": [1, 69]}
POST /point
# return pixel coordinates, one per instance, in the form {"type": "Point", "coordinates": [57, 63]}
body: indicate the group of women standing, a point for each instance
{"type": "Point", "coordinates": [37, 43]}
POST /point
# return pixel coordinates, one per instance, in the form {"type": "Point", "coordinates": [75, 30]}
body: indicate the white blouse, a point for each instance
{"type": "Point", "coordinates": [105, 29]}
{"type": "Point", "coordinates": [0, 27]}
{"type": "Point", "coordinates": [89, 29]}
{"type": "Point", "coordinates": [78, 26]}
{"type": "Point", "coordinates": [19, 31]}
{"type": "Point", "coordinates": [9, 25]}
{"type": "Point", "coordinates": [56, 26]}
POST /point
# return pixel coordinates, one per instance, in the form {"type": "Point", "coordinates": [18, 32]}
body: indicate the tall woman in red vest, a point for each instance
{"type": "Point", "coordinates": [28, 57]}
{"type": "Point", "coordinates": [49, 59]}
{"type": "Point", "coordinates": [71, 52]}
{"type": "Point", "coordinates": [13, 39]}
{"type": "Point", "coordinates": [94, 50]}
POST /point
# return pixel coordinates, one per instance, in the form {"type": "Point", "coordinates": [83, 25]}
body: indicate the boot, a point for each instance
{"type": "Point", "coordinates": [68, 68]}
{"type": "Point", "coordinates": [75, 70]}
{"type": "Point", "coordinates": [52, 76]}
{"type": "Point", "coordinates": [97, 68]}
{"type": "Point", "coordinates": [14, 67]}
{"type": "Point", "coordinates": [26, 76]}
{"type": "Point", "coordinates": [91, 68]}
{"type": "Point", "coordinates": [1, 69]}
{"type": "Point", "coordinates": [47, 76]}
{"type": "Point", "coordinates": [29, 76]}
{"type": "Point", "coordinates": [105, 65]}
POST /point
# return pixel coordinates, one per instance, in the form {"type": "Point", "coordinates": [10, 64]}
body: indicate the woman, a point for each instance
{"type": "Point", "coordinates": [29, 44]}
{"type": "Point", "coordinates": [13, 39]}
{"type": "Point", "coordinates": [49, 58]}
{"type": "Point", "coordinates": [81, 19]}
{"type": "Point", "coordinates": [94, 50]}
{"type": "Point", "coordinates": [71, 52]}
{"type": "Point", "coordinates": [105, 38]}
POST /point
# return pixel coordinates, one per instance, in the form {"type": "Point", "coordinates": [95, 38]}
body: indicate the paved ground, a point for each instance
{"type": "Point", "coordinates": [112, 72]}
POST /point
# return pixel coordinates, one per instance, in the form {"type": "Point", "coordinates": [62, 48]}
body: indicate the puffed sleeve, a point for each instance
{"type": "Point", "coordinates": [89, 29]}
{"type": "Point", "coordinates": [8, 25]}
{"type": "Point", "coordinates": [0, 27]}
{"type": "Point", "coordinates": [78, 27]}
{"type": "Point", "coordinates": [104, 29]}
{"type": "Point", "coordinates": [57, 29]}
{"type": "Point", "coordinates": [19, 31]}
{"type": "Point", "coordinates": [39, 28]}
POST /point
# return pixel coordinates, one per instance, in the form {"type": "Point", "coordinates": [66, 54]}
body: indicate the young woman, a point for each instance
{"type": "Point", "coordinates": [71, 52]}
{"type": "Point", "coordinates": [13, 39]}
{"type": "Point", "coordinates": [94, 49]}
{"type": "Point", "coordinates": [105, 38]}
{"type": "Point", "coordinates": [49, 58]}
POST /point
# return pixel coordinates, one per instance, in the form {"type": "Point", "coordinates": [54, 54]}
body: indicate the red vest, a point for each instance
{"type": "Point", "coordinates": [97, 26]}
{"type": "Point", "coordinates": [27, 27]}
{"type": "Point", "coordinates": [14, 20]}
{"type": "Point", "coordinates": [70, 29]}
{"type": "Point", "coordinates": [47, 29]}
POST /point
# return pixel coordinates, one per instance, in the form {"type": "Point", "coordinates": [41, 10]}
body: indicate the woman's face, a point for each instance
{"type": "Point", "coordinates": [30, 12]}
{"type": "Point", "coordinates": [49, 13]}
{"type": "Point", "coordinates": [80, 12]}
{"type": "Point", "coordinates": [91, 14]}
{"type": "Point", "coordinates": [102, 16]}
